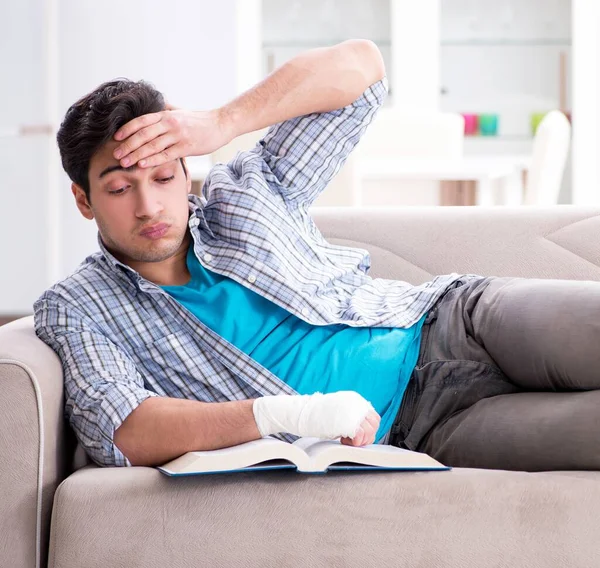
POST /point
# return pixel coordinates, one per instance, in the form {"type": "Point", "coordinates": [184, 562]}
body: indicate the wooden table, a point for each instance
{"type": "Point", "coordinates": [465, 181]}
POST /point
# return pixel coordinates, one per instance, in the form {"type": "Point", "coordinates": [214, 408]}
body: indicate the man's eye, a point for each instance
{"type": "Point", "coordinates": [161, 180]}
{"type": "Point", "coordinates": [165, 180]}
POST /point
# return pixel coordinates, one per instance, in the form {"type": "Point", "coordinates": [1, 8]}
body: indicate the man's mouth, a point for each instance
{"type": "Point", "coordinates": [155, 231]}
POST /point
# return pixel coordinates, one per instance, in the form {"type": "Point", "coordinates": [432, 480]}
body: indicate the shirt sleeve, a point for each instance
{"type": "Point", "coordinates": [306, 152]}
{"type": "Point", "coordinates": [102, 384]}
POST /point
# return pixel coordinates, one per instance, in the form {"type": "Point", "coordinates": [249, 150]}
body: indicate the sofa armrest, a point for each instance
{"type": "Point", "coordinates": [35, 443]}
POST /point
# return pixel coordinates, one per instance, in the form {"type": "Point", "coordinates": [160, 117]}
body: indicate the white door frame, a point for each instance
{"type": "Point", "coordinates": [586, 102]}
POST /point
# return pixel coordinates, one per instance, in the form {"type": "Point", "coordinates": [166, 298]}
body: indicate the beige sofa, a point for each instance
{"type": "Point", "coordinates": [58, 508]}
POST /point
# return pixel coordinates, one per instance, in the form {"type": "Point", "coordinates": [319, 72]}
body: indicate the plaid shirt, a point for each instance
{"type": "Point", "coordinates": [122, 339]}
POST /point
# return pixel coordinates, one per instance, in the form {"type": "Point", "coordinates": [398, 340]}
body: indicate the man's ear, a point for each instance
{"type": "Point", "coordinates": [81, 201]}
{"type": "Point", "coordinates": [188, 180]}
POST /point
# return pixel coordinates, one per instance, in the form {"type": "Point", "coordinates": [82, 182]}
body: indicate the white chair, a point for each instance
{"type": "Point", "coordinates": [550, 150]}
{"type": "Point", "coordinates": [396, 134]}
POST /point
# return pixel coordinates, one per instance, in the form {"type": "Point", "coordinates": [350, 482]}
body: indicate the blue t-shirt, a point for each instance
{"type": "Point", "coordinates": [373, 361]}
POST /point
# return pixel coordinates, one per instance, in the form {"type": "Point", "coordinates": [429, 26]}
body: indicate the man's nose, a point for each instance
{"type": "Point", "coordinates": [149, 203]}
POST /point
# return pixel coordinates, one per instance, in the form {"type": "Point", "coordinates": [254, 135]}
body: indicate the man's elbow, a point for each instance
{"type": "Point", "coordinates": [125, 442]}
{"type": "Point", "coordinates": [368, 56]}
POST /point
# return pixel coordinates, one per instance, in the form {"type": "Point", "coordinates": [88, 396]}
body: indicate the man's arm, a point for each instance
{"type": "Point", "coordinates": [319, 80]}
{"type": "Point", "coordinates": [161, 429]}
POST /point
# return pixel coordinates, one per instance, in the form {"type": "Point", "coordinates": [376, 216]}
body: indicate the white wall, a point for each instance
{"type": "Point", "coordinates": [415, 78]}
{"type": "Point", "coordinates": [23, 160]}
{"type": "Point", "coordinates": [248, 42]}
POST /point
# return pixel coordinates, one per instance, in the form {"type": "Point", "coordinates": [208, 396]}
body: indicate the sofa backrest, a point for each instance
{"type": "Point", "coordinates": [416, 243]}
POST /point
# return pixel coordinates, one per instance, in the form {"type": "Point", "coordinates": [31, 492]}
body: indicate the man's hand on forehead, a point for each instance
{"type": "Point", "coordinates": [160, 137]}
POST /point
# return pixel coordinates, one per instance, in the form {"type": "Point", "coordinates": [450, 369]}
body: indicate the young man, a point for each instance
{"type": "Point", "coordinates": [205, 322]}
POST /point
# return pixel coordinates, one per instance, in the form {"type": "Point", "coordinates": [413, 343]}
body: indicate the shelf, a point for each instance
{"type": "Point", "coordinates": [503, 137]}
{"type": "Point", "coordinates": [565, 42]}
{"type": "Point", "coordinates": [559, 42]}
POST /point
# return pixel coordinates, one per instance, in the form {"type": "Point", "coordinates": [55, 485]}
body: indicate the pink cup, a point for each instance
{"type": "Point", "coordinates": [471, 124]}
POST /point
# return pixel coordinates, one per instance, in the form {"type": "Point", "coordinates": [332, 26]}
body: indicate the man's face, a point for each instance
{"type": "Point", "coordinates": [125, 202]}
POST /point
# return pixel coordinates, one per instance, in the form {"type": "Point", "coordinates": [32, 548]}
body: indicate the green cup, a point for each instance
{"type": "Point", "coordinates": [488, 124]}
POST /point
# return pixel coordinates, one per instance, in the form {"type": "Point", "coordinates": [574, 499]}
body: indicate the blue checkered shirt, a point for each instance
{"type": "Point", "coordinates": [122, 339]}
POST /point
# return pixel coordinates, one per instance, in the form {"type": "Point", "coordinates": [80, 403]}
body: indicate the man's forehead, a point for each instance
{"type": "Point", "coordinates": [104, 162]}
{"type": "Point", "coordinates": [108, 148]}
{"type": "Point", "coordinates": [103, 156]}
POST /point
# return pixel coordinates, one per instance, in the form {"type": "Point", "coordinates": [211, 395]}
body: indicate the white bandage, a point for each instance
{"type": "Point", "coordinates": [327, 416]}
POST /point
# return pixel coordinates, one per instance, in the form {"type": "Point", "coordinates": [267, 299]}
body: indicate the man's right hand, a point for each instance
{"type": "Point", "coordinates": [164, 136]}
{"type": "Point", "coordinates": [366, 431]}
{"type": "Point", "coordinates": [344, 414]}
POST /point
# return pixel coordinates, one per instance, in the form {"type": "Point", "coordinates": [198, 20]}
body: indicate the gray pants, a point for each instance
{"type": "Point", "coordinates": [508, 377]}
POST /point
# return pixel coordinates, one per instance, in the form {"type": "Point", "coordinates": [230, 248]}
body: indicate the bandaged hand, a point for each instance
{"type": "Point", "coordinates": [344, 414]}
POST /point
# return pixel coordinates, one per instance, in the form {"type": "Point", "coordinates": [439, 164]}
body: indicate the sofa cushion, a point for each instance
{"type": "Point", "coordinates": [460, 518]}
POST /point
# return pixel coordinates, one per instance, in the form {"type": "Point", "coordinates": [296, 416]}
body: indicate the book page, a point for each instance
{"type": "Point", "coordinates": [324, 453]}
{"type": "Point", "coordinates": [236, 457]}
{"type": "Point", "coordinates": [305, 443]}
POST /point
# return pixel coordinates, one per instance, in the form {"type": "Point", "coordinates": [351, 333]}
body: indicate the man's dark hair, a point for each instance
{"type": "Point", "coordinates": [93, 120]}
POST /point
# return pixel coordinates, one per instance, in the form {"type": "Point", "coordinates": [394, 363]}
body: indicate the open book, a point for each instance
{"type": "Point", "coordinates": [306, 455]}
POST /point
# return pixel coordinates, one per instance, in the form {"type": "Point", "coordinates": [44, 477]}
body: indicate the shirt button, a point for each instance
{"type": "Point", "coordinates": [304, 311]}
{"type": "Point", "coordinates": [252, 279]}
{"type": "Point", "coordinates": [208, 257]}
